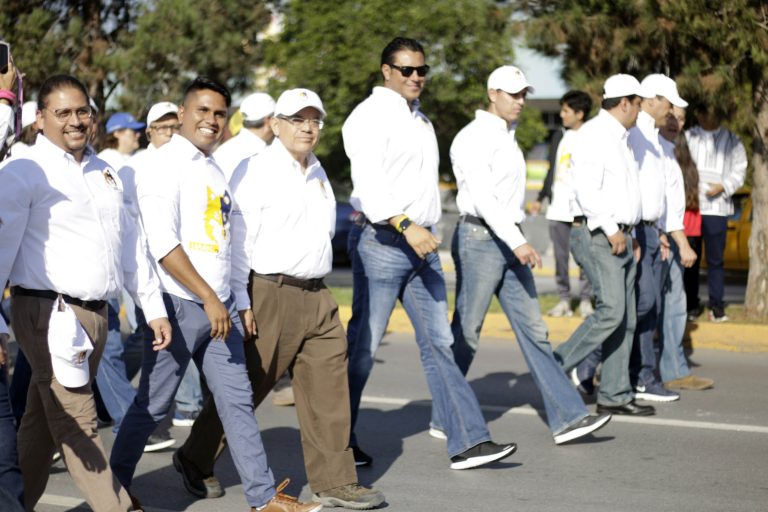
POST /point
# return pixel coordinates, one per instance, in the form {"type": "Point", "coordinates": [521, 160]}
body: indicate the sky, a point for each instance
{"type": "Point", "coordinates": [542, 72]}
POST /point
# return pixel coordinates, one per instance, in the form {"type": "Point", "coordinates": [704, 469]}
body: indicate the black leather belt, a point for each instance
{"type": "Point", "coordinates": [477, 221]}
{"type": "Point", "coordinates": [90, 305]}
{"type": "Point", "coordinates": [581, 220]}
{"type": "Point", "coordinates": [311, 285]}
{"type": "Point", "coordinates": [650, 223]}
{"type": "Point", "coordinates": [391, 228]}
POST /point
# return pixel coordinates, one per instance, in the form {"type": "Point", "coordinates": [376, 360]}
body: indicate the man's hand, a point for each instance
{"type": "Point", "coordinates": [715, 189]}
{"type": "Point", "coordinates": [618, 243]}
{"type": "Point", "coordinates": [8, 79]}
{"type": "Point", "coordinates": [687, 255]}
{"type": "Point", "coordinates": [4, 349]}
{"type": "Point", "coordinates": [219, 318]}
{"type": "Point", "coordinates": [249, 324]}
{"type": "Point", "coordinates": [535, 208]}
{"type": "Point", "coordinates": [162, 329]}
{"type": "Point", "coordinates": [421, 240]}
{"type": "Point", "coordinates": [527, 255]}
{"type": "Point", "coordinates": [664, 246]}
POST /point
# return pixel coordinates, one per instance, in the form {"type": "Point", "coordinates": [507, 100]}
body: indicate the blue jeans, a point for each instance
{"type": "Point", "coordinates": [612, 325]}
{"type": "Point", "coordinates": [393, 272]}
{"type": "Point", "coordinates": [642, 362]}
{"type": "Point", "coordinates": [223, 364]}
{"type": "Point", "coordinates": [10, 476]}
{"type": "Point", "coordinates": [115, 389]}
{"type": "Point", "coordinates": [486, 266]}
{"type": "Point", "coordinates": [672, 363]}
{"type": "Point", "coordinates": [359, 287]}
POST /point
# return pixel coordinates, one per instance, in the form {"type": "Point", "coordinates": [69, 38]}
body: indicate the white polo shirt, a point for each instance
{"type": "Point", "coordinates": [605, 174]}
{"type": "Point", "coordinates": [284, 219]}
{"type": "Point", "coordinates": [184, 200]}
{"type": "Point", "coordinates": [64, 228]}
{"type": "Point", "coordinates": [394, 156]}
{"type": "Point", "coordinates": [490, 174]}
{"type": "Point", "coordinates": [243, 145]}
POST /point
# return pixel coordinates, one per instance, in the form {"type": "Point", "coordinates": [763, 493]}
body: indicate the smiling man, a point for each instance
{"type": "Point", "coordinates": [185, 203]}
{"type": "Point", "coordinates": [393, 150]}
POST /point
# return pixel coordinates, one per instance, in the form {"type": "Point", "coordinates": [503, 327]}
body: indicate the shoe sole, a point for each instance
{"type": "Point", "coordinates": [579, 386]}
{"type": "Point", "coordinates": [182, 423]}
{"type": "Point", "coordinates": [650, 397]}
{"type": "Point", "coordinates": [159, 446]}
{"type": "Point", "coordinates": [616, 413]}
{"type": "Point", "coordinates": [360, 463]}
{"type": "Point", "coordinates": [579, 432]}
{"type": "Point", "coordinates": [331, 502]}
{"type": "Point", "coordinates": [438, 434]}
{"type": "Point", "coordinates": [195, 492]}
{"type": "Point", "coordinates": [481, 461]}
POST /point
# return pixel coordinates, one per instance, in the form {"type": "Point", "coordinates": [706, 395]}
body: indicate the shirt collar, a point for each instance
{"type": "Point", "coordinates": [387, 94]}
{"type": "Point", "coordinates": [492, 121]}
{"type": "Point", "coordinates": [286, 158]}
{"type": "Point", "coordinates": [612, 124]}
{"type": "Point", "coordinates": [646, 123]}
{"type": "Point", "coordinates": [185, 148]}
{"type": "Point", "coordinates": [43, 144]}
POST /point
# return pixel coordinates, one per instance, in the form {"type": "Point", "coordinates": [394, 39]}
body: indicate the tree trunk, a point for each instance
{"type": "Point", "coordinates": [756, 301]}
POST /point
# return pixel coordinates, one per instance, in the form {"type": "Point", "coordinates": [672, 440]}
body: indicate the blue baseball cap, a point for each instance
{"type": "Point", "coordinates": [122, 120]}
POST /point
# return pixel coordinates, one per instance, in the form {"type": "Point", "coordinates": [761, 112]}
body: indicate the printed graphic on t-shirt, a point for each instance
{"type": "Point", "coordinates": [216, 218]}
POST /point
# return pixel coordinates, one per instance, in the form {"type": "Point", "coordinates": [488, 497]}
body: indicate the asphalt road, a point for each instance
{"type": "Point", "coordinates": [707, 452]}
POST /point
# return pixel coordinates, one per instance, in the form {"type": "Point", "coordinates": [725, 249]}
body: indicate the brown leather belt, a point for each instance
{"type": "Point", "coordinates": [311, 285]}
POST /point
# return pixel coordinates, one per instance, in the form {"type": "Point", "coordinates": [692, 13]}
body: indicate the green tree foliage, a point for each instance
{"type": "Point", "coordinates": [717, 51]}
{"type": "Point", "coordinates": [334, 48]}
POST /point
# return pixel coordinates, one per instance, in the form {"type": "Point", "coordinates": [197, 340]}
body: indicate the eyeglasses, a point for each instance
{"type": "Point", "coordinates": [167, 129]}
{"type": "Point", "coordinates": [408, 70]}
{"type": "Point", "coordinates": [300, 122]}
{"type": "Point", "coordinates": [63, 114]}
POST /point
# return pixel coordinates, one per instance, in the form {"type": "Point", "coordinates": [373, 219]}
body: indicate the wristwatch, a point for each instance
{"type": "Point", "coordinates": [403, 224]}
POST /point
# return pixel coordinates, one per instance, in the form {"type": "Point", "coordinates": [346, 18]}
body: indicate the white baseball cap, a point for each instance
{"type": "Point", "coordinates": [509, 79]}
{"type": "Point", "coordinates": [661, 85]}
{"type": "Point", "coordinates": [293, 100]}
{"type": "Point", "coordinates": [28, 113]}
{"type": "Point", "coordinates": [69, 345]}
{"type": "Point", "coordinates": [257, 106]}
{"type": "Point", "coordinates": [618, 86]}
{"type": "Point", "coordinates": [158, 110]}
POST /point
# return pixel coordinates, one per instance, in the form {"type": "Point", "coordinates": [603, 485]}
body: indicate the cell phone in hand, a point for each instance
{"type": "Point", "coordinates": [5, 56]}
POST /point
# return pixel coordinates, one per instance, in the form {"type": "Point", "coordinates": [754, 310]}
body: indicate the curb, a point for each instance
{"type": "Point", "coordinates": [730, 337]}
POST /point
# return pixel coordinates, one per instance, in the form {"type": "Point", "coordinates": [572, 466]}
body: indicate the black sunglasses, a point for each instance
{"type": "Point", "coordinates": [408, 70]}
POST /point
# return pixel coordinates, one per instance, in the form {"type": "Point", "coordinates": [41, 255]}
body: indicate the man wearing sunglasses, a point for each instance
{"type": "Point", "coordinates": [394, 170]}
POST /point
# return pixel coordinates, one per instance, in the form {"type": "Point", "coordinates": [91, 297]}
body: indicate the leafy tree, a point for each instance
{"type": "Point", "coordinates": [717, 51]}
{"type": "Point", "coordinates": [334, 48]}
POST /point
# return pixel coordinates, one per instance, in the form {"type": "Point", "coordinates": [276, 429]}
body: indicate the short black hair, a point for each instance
{"type": "Point", "coordinates": [579, 101]}
{"type": "Point", "coordinates": [202, 83]}
{"type": "Point", "coordinates": [56, 82]}
{"type": "Point", "coordinates": [258, 123]}
{"type": "Point", "coordinates": [610, 103]}
{"type": "Point", "coordinates": [399, 44]}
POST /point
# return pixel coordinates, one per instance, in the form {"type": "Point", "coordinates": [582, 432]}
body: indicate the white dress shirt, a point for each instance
{"type": "Point", "coordinates": [283, 221]}
{"type": "Point", "coordinates": [720, 158]}
{"type": "Point", "coordinates": [675, 192]}
{"type": "Point", "coordinates": [64, 229]}
{"type": "Point", "coordinates": [114, 158]}
{"type": "Point", "coordinates": [185, 200]}
{"type": "Point", "coordinates": [563, 194]}
{"type": "Point", "coordinates": [6, 122]}
{"type": "Point", "coordinates": [605, 175]}
{"type": "Point", "coordinates": [394, 156]}
{"type": "Point", "coordinates": [490, 174]}
{"type": "Point", "coordinates": [243, 145]}
{"type": "Point", "coordinates": [644, 141]}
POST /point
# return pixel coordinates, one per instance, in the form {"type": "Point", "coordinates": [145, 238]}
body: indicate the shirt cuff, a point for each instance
{"type": "Point", "coordinates": [242, 299]}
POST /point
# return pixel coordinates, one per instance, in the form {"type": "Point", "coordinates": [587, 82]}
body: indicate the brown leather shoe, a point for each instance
{"type": "Point", "coordinates": [284, 503]}
{"type": "Point", "coordinates": [690, 382]}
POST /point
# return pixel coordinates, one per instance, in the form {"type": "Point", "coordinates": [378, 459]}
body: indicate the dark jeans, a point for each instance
{"type": "Point", "coordinates": [10, 476]}
{"type": "Point", "coordinates": [713, 231]}
{"type": "Point", "coordinates": [691, 277]}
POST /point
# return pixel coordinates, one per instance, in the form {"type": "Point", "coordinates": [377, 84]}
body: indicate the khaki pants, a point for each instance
{"type": "Point", "coordinates": [298, 329]}
{"type": "Point", "coordinates": [59, 418]}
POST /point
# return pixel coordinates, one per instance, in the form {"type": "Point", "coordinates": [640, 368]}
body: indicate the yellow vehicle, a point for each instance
{"type": "Point", "coordinates": [736, 255]}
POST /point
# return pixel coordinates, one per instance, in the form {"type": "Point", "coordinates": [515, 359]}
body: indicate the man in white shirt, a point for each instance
{"type": "Point", "coordinates": [606, 180]}
{"type": "Point", "coordinates": [282, 227]}
{"type": "Point", "coordinates": [662, 199]}
{"type": "Point", "coordinates": [722, 163]}
{"type": "Point", "coordinates": [393, 150]}
{"type": "Point", "coordinates": [255, 135]}
{"type": "Point", "coordinates": [492, 256]}
{"type": "Point", "coordinates": [66, 245]}
{"type": "Point", "coordinates": [185, 204]}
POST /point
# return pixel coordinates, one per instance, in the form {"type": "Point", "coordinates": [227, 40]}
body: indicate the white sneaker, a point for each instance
{"type": "Point", "coordinates": [563, 308]}
{"type": "Point", "coordinates": [585, 308]}
{"type": "Point", "coordinates": [437, 433]}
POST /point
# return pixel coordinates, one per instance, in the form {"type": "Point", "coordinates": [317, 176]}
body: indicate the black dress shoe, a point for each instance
{"type": "Point", "coordinates": [200, 485]}
{"type": "Point", "coordinates": [628, 409]}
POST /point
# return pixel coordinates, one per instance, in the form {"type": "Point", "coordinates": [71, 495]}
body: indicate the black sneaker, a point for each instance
{"type": "Point", "coordinates": [194, 481]}
{"type": "Point", "coordinates": [157, 442]}
{"type": "Point", "coordinates": [582, 427]}
{"type": "Point", "coordinates": [481, 454]}
{"type": "Point", "coordinates": [361, 458]}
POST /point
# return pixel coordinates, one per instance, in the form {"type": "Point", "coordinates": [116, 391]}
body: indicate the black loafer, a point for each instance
{"type": "Point", "coordinates": [196, 483]}
{"type": "Point", "coordinates": [628, 409]}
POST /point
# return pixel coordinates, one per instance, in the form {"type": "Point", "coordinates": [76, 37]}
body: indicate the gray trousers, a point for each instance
{"type": "Point", "coordinates": [223, 365]}
{"type": "Point", "coordinates": [560, 234]}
